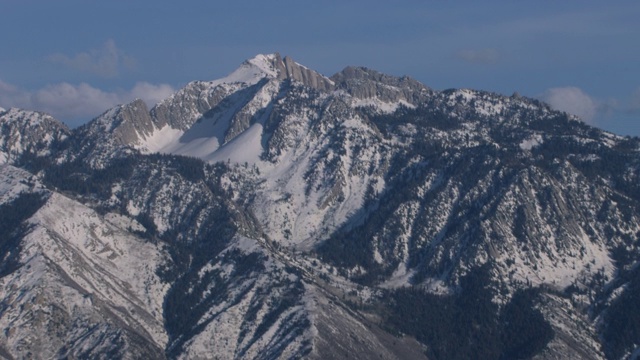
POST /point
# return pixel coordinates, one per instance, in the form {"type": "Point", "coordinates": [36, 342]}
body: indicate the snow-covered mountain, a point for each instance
{"type": "Point", "coordinates": [279, 213]}
{"type": "Point", "coordinates": [24, 133]}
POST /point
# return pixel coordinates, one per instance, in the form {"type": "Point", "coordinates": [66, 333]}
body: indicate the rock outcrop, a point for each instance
{"type": "Point", "coordinates": [364, 83]}
{"type": "Point", "coordinates": [24, 132]}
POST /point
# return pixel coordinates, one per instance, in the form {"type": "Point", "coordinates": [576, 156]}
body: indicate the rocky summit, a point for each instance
{"type": "Point", "coordinates": [278, 213]}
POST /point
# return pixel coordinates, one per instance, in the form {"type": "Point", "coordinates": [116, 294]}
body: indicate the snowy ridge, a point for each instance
{"type": "Point", "coordinates": [181, 123]}
{"type": "Point", "coordinates": [93, 274]}
{"type": "Point", "coordinates": [14, 181]}
{"type": "Point", "coordinates": [225, 135]}
{"type": "Point", "coordinates": [278, 213]}
{"type": "Point", "coordinates": [252, 71]}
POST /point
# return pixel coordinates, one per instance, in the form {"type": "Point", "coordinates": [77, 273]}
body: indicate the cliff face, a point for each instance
{"type": "Point", "coordinates": [306, 76]}
{"type": "Point", "coordinates": [363, 83]}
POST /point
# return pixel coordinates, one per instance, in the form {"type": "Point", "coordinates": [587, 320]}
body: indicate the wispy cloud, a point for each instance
{"type": "Point", "coordinates": [78, 103]}
{"type": "Point", "coordinates": [594, 111]}
{"type": "Point", "coordinates": [572, 100]}
{"type": "Point", "coordinates": [106, 61]}
{"type": "Point", "coordinates": [150, 93]}
{"type": "Point", "coordinates": [480, 56]}
{"type": "Point", "coordinates": [10, 95]}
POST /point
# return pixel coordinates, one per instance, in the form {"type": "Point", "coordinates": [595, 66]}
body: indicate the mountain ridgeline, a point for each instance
{"type": "Point", "coordinates": [278, 213]}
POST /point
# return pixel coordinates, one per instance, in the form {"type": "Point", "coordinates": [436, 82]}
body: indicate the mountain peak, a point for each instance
{"type": "Point", "coordinates": [124, 113]}
{"type": "Point", "coordinates": [26, 131]}
{"type": "Point", "coordinates": [276, 67]}
{"type": "Point", "coordinates": [335, 221]}
{"type": "Point", "coordinates": [294, 71]}
{"type": "Point", "coordinates": [268, 64]}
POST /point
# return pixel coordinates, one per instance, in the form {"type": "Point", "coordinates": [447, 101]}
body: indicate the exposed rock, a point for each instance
{"type": "Point", "coordinates": [24, 132]}
{"type": "Point", "coordinates": [127, 123]}
{"type": "Point", "coordinates": [187, 105]}
{"type": "Point", "coordinates": [364, 83]}
{"type": "Point", "coordinates": [308, 77]}
{"type": "Point", "coordinates": [112, 134]}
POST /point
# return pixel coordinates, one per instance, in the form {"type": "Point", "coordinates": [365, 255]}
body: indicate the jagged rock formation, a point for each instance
{"type": "Point", "coordinates": [278, 213]}
{"type": "Point", "coordinates": [125, 124]}
{"type": "Point", "coordinates": [299, 73]}
{"type": "Point", "coordinates": [28, 132]}
{"type": "Point", "coordinates": [363, 83]}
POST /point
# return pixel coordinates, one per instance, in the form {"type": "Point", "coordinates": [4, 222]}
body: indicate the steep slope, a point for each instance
{"type": "Point", "coordinates": [226, 107]}
{"type": "Point", "coordinates": [271, 115]}
{"type": "Point", "coordinates": [233, 293]}
{"type": "Point", "coordinates": [309, 146]}
{"type": "Point", "coordinates": [286, 214]}
{"type": "Point", "coordinates": [110, 135]}
{"type": "Point", "coordinates": [79, 287]}
{"type": "Point", "coordinates": [498, 189]}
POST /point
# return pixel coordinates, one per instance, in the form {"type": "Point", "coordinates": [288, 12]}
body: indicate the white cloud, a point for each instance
{"type": "Point", "coordinates": [78, 103]}
{"type": "Point", "coordinates": [105, 61]}
{"type": "Point", "coordinates": [73, 100]}
{"type": "Point", "coordinates": [573, 101]}
{"type": "Point", "coordinates": [10, 95]}
{"type": "Point", "coordinates": [150, 93]}
{"type": "Point", "coordinates": [481, 56]}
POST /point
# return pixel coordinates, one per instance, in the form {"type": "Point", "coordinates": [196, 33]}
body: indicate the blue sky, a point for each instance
{"type": "Point", "coordinates": [76, 58]}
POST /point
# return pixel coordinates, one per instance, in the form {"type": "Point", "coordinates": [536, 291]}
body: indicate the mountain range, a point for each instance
{"type": "Point", "coordinates": [278, 213]}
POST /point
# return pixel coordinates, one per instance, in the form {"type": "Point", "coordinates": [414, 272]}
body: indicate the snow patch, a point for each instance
{"type": "Point", "coordinates": [14, 181]}
{"type": "Point", "coordinates": [531, 142]}
{"type": "Point", "coordinates": [252, 71]}
{"type": "Point", "coordinates": [401, 277]}
{"type": "Point", "coordinates": [461, 95]}
{"type": "Point", "coordinates": [245, 148]}
{"type": "Point", "coordinates": [132, 209]}
{"type": "Point", "coordinates": [159, 139]}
